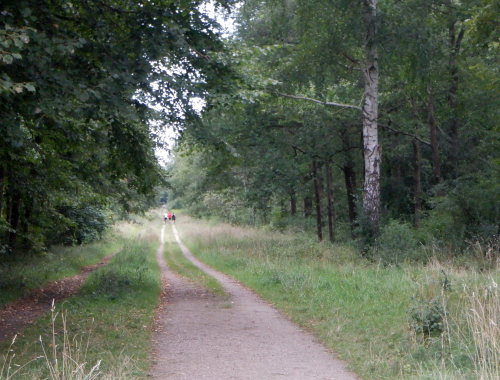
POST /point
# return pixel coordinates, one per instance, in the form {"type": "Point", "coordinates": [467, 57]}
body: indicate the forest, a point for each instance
{"type": "Point", "coordinates": [325, 151]}
{"type": "Point", "coordinates": [86, 89]}
{"type": "Point", "coordinates": [373, 122]}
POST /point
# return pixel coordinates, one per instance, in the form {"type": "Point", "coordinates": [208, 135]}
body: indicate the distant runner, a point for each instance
{"type": "Point", "coordinates": [173, 218]}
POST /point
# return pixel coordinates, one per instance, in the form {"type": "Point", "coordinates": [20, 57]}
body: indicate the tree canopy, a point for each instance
{"type": "Point", "coordinates": [86, 88]}
{"type": "Point", "coordinates": [317, 82]}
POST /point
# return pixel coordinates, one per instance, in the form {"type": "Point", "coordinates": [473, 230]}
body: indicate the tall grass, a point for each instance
{"type": "Point", "coordinates": [105, 331]}
{"type": "Point", "coordinates": [361, 309]}
{"type": "Point", "coordinates": [24, 273]}
{"type": "Point", "coordinates": [64, 357]}
{"type": "Point", "coordinates": [483, 319]}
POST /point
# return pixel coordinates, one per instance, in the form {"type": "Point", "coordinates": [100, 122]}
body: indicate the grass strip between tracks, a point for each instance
{"type": "Point", "coordinates": [181, 265]}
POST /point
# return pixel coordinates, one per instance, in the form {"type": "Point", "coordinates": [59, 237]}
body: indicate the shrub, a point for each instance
{"type": "Point", "coordinates": [84, 224]}
{"type": "Point", "coordinates": [397, 243]}
{"type": "Point", "coordinates": [426, 316]}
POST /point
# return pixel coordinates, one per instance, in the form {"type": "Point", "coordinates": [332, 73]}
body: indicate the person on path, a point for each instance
{"type": "Point", "coordinates": [169, 216]}
{"type": "Point", "coordinates": [173, 218]}
{"type": "Point", "coordinates": [165, 216]}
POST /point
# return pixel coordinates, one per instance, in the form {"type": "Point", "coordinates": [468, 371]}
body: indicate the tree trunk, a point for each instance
{"type": "Point", "coordinates": [293, 203]}
{"type": "Point", "coordinates": [455, 43]}
{"type": "Point", "coordinates": [28, 206]}
{"type": "Point", "coordinates": [330, 197]}
{"type": "Point", "coordinates": [436, 163]}
{"type": "Point", "coordinates": [350, 184]}
{"type": "Point", "coordinates": [417, 189]}
{"type": "Point", "coordinates": [2, 186]}
{"type": "Point", "coordinates": [372, 149]}
{"type": "Point", "coordinates": [15, 216]}
{"type": "Point", "coordinates": [307, 206]}
{"type": "Point", "coordinates": [317, 196]}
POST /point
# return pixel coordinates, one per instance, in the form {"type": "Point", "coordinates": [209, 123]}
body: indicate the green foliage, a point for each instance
{"type": "Point", "coordinates": [85, 91]}
{"type": "Point", "coordinates": [426, 316]}
{"type": "Point", "coordinates": [253, 148]}
{"type": "Point", "coordinates": [279, 220]}
{"type": "Point", "coordinates": [86, 224]}
{"type": "Point", "coordinates": [397, 243]}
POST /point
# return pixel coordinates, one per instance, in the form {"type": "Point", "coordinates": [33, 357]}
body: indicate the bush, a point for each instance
{"type": "Point", "coordinates": [426, 316]}
{"type": "Point", "coordinates": [84, 224]}
{"type": "Point", "coordinates": [397, 243]}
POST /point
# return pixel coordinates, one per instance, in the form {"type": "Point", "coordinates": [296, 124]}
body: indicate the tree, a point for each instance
{"type": "Point", "coordinates": [81, 84]}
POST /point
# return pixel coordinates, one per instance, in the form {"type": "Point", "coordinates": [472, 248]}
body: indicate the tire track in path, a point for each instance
{"type": "Point", "coordinates": [205, 337]}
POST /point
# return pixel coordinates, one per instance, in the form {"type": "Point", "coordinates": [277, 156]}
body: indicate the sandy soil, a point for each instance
{"type": "Point", "coordinates": [204, 337]}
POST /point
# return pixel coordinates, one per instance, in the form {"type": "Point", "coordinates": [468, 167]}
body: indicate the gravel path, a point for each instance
{"type": "Point", "coordinates": [204, 337]}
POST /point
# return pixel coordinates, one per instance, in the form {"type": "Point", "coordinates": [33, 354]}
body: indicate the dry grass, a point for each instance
{"type": "Point", "coordinates": [63, 358]}
{"type": "Point", "coordinates": [483, 317]}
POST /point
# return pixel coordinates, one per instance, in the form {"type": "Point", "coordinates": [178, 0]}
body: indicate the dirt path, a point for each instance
{"type": "Point", "coordinates": [18, 314]}
{"type": "Point", "coordinates": [203, 337]}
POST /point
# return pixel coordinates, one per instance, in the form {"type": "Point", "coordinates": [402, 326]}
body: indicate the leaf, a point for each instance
{"type": "Point", "coordinates": [30, 87]}
{"type": "Point", "coordinates": [26, 12]}
{"type": "Point", "coordinates": [84, 96]}
{"type": "Point", "coordinates": [19, 43]}
{"type": "Point", "coordinates": [7, 58]}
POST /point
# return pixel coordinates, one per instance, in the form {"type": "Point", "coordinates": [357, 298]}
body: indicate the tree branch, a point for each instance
{"type": "Point", "coordinates": [201, 55]}
{"type": "Point", "coordinates": [404, 133]}
{"type": "Point", "coordinates": [353, 60]}
{"type": "Point", "coordinates": [319, 101]}
{"type": "Point", "coordinates": [297, 148]}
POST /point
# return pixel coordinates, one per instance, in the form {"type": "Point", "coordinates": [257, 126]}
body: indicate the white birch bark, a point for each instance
{"type": "Point", "coordinates": [372, 149]}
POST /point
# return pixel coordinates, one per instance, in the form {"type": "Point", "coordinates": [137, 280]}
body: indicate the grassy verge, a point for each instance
{"type": "Point", "coordinates": [405, 322]}
{"type": "Point", "coordinates": [109, 323]}
{"type": "Point", "coordinates": [23, 274]}
{"type": "Point", "coordinates": [179, 264]}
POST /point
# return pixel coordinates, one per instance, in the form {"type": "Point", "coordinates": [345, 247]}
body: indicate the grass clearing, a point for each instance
{"type": "Point", "coordinates": [398, 322]}
{"type": "Point", "coordinates": [109, 322]}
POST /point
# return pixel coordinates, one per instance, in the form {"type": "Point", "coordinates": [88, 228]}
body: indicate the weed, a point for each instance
{"type": "Point", "coordinates": [426, 316]}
